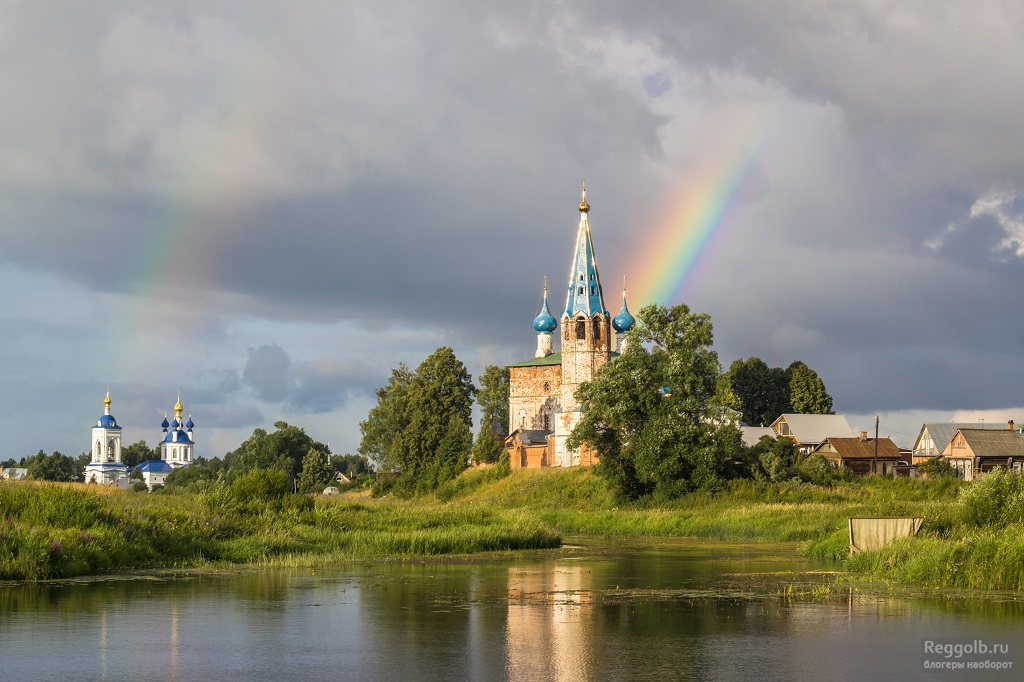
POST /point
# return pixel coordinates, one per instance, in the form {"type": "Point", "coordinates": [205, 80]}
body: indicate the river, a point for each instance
{"type": "Point", "coordinates": [590, 611]}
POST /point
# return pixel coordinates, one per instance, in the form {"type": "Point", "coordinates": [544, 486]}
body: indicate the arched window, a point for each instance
{"type": "Point", "coordinates": [581, 329]}
{"type": "Point", "coordinates": [99, 450]}
{"type": "Point", "coordinates": [597, 329]}
{"type": "Point", "coordinates": [110, 450]}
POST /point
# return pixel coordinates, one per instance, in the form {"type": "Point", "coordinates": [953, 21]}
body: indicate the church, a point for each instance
{"type": "Point", "coordinates": [542, 390]}
{"type": "Point", "coordinates": [106, 466]}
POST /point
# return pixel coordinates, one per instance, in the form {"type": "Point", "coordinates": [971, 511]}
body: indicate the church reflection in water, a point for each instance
{"type": "Point", "coordinates": [549, 618]}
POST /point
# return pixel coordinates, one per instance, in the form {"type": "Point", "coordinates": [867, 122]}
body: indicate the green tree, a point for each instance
{"type": "Point", "coordinates": [196, 477]}
{"type": "Point", "coordinates": [488, 446]}
{"type": "Point", "coordinates": [137, 453]}
{"type": "Point", "coordinates": [807, 394]}
{"type": "Point", "coordinates": [493, 397]}
{"type": "Point", "coordinates": [316, 472]}
{"type": "Point", "coordinates": [763, 391]}
{"type": "Point", "coordinates": [653, 441]}
{"type": "Point", "coordinates": [414, 431]}
{"type": "Point", "coordinates": [284, 449]}
{"type": "Point", "coordinates": [54, 467]}
{"type": "Point", "coordinates": [350, 465]}
{"type": "Point", "coordinates": [775, 459]}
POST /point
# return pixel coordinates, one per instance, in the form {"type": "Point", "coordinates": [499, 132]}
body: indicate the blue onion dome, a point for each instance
{"type": "Point", "coordinates": [177, 436]}
{"type": "Point", "coordinates": [164, 424]}
{"type": "Point", "coordinates": [623, 322]}
{"type": "Point", "coordinates": [189, 423]}
{"type": "Point", "coordinates": [545, 322]}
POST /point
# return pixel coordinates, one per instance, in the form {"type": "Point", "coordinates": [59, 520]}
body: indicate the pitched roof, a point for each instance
{"type": "Point", "coordinates": [942, 432]}
{"type": "Point", "coordinates": [752, 434]}
{"type": "Point", "coordinates": [583, 294]}
{"type": "Point", "coordinates": [994, 442]}
{"type": "Point", "coordinates": [855, 448]}
{"type": "Point", "coordinates": [810, 429]}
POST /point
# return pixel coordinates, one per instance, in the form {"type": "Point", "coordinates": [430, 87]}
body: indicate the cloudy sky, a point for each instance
{"type": "Point", "coordinates": [269, 205]}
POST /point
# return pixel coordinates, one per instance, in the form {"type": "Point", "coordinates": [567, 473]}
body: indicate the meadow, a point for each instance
{"type": "Point", "coordinates": [972, 537]}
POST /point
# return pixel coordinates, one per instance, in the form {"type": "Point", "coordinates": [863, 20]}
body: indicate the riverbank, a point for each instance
{"type": "Point", "coordinates": [969, 539]}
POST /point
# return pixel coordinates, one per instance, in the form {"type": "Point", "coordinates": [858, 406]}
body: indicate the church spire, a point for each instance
{"type": "Point", "coordinates": [584, 290]}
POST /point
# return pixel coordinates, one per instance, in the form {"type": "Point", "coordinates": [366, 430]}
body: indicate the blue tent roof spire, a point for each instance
{"type": "Point", "coordinates": [584, 290]}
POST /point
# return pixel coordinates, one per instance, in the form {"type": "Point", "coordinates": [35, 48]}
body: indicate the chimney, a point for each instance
{"type": "Point", "coordinates": [863, 435]}
{"type": "Point", "coordinates": [1009, 425]}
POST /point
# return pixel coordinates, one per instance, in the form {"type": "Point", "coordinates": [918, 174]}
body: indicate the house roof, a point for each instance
{"type": "Point", "coordinates": [752, 434]}
{"type": "Point", "coordinates": [811, 429]}
{"type": "Point", "coordinates": [855, 448]}
{"type": "Point", "coordinates": [993, 442]}
{"type": "Point", "coordinates": [942, 432]}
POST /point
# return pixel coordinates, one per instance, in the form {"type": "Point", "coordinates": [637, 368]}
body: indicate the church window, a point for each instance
{"type": "Point", "coordinates": [580, 290]}
{"type": "Point", "coordinates": [597, 329]}
{"type": "Point", "coordinates": [546, 425]}
{"type": "Point", "coordinates": [581, 329]}
{"type": "Point", "coordinates": [110, 448]}
{"type": "Point", "coordinates": [99, 449]}
{"type": "Point", "coordinates": [591, 291]}
{"type": "Point", "coordinates": [547, 386]}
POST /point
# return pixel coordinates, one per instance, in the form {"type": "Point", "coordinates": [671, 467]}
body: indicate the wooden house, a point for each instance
{"type": "Point", "coordinates": [808, 430]}
{"type": "Point", "coordinates": [858, 454]}
{"type": "Point", "coordinates": [975, 451]}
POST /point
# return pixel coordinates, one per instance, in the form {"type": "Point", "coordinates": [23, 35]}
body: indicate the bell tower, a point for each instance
{"type": "Point", "coordinates": [586, 332]}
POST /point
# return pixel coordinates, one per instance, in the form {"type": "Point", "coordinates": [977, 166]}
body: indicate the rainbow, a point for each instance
{"type": "Point", "coordinates": [690, 230]}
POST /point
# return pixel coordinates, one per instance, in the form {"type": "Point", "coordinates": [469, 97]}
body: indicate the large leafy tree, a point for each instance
{"type": "Point", "coordinates": [55, 467]}
{"type": "Point", "coordinates": [316, 472]}
{"type": "Point", "coordinates": [807, 394]}
{"type": "Point", "coordinates": [650, 413]}
{"type": "Point", "coordinates": [284, 449]}
{"type": "Point", "coordinates": [138, 452]}
{"type": "Point", "coordinates": [763, 391]}
{"type": "Point", "coordinates": [420, 427]}
{"type": "Point", "coordinates": [493, 397]}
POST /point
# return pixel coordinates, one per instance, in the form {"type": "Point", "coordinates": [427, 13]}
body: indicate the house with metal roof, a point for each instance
{"type": "Point", "coordinates": [861, 454]}
{"type": "Point", "coordinates": [974, 451]}
{"type": "Point", "coordinates": [807, 430]}
{"type": "Point", "coordinates": [935, 436]}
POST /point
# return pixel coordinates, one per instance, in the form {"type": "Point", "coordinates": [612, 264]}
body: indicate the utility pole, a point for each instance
{"type": "Point", "coordinates": [874, 461]}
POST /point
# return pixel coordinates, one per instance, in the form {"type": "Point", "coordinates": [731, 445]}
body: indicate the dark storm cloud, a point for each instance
{"type": "Point", "coordinates": [409, 172]}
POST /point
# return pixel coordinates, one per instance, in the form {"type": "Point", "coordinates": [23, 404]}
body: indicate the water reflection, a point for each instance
{"type": "Point", "coordinates": [643, 613]}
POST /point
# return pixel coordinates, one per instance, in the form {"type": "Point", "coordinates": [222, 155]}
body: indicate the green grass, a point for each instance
{"type": "Point", "coordinates": [973, 535]}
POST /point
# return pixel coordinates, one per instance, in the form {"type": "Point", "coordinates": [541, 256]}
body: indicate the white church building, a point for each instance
{"type": "Point", "coordinates": [105, 464]}
{"type": "Point", "coordinates": [176, 449]}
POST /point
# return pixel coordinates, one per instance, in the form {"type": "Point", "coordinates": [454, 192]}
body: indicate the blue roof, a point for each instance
{"type": "Point", "coordinates": [177, 436]}
{"type": "Point", "coordinates": [623, 322]}
{"type": "Point", "coordinates": [107, 421]}
{"type": "Point", "coordinates": [165, 424]}
{"type": "Point", "coordinates": [189, 423]}
{"type": "Point", "coordinates": [154, 466]}
{"type": "Point", "coordinates": [584, 290]}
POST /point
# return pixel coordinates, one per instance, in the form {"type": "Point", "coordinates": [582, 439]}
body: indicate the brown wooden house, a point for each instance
{"type": "Point", "coordinates": [858, 454]}
{"type": "Point", "coordinates": [975, 451]}
{"type": "Point", "coordinates": [529, 448]}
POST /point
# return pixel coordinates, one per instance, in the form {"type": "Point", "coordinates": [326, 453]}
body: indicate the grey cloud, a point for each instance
{"type": "Point", "coordinates": [268, 373]}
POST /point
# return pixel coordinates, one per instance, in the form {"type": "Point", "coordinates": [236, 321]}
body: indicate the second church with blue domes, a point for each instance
{"type": "Point", "coordinates": [542, 403]}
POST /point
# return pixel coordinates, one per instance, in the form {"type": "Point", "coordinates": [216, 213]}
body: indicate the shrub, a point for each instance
{"type": "Point", "coordinates": [140, 487]}
{"type": "Point", "coordinates": [996, 499]}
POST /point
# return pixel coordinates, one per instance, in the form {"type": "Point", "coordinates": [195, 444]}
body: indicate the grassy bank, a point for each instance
{"type": "Point", "coordinates": [973, 536]}
{"type": "Point", "coordinates": [65, 530]}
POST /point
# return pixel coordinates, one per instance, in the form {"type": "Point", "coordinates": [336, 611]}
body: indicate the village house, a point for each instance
{"type": "Point", "coordinates": [808, 430]}
{"type": "Point", "coordinates": [973, 451]}
{"type": "Point", "coordinates": [860, 454]}
{"type": "Point", "coordinates": [934, 437]}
